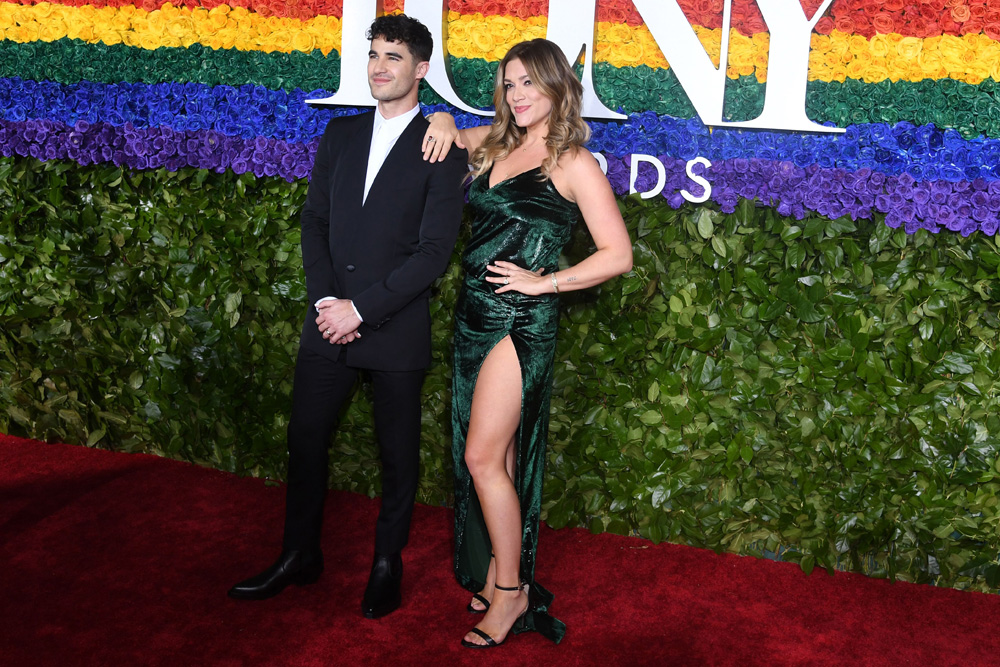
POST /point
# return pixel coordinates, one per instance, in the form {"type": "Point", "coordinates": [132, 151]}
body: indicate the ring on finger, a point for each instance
{"type": "Point", "coordinates": [431, 140]}
{"type": "Point", "coordinates": [506, 281]}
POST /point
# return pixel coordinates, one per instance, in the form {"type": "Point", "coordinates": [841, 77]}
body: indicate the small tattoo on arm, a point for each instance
{"type": "Point", "coordinates": [571, 279]}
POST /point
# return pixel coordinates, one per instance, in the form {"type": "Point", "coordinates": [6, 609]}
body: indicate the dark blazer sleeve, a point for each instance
{"type": "Point", "coordinates": [442, 216]}
{"type": "Point", "coordinates": [321, 280]}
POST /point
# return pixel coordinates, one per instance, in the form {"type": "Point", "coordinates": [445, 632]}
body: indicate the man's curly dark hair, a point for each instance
{"type": "Point", "coordinates": [401, 28]}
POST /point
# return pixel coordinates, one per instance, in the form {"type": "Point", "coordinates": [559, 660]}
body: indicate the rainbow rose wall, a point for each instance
{"type": "Point", "coordinates": [801, 366]}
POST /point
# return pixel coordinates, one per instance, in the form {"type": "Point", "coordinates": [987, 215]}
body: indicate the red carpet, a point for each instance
{"type": "Point", "coordinates": [119, 559]}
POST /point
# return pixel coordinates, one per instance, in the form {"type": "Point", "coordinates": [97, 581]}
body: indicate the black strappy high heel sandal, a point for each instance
{"type": "Point", "coordinates": [490, 642]}
{"type": "Point", "coordinates": [477, 596]}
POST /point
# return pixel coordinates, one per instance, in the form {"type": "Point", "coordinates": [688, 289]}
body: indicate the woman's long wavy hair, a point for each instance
{"type": "Point", "coordinates": [551, 74]}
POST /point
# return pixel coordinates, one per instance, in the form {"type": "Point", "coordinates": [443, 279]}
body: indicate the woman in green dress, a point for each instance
{"type": "Point", "coordinates": [532, 180]}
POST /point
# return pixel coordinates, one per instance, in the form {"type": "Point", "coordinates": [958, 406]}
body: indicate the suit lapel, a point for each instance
{"type": "Point", "coordinates": [397, 157]}
{"type": "Point", "coordinates": [349, 185]}
{"type": "Point", "coordinates": [356, 161]}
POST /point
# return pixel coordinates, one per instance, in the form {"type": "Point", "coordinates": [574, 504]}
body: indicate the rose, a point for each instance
{"type": "Point", "coordinates": [928, 13]}
{"type": "Point", "coordinates": [883, 22]}
{"type": "Point", "coordinates": [825, 25]}
{"type": "Point", "coordinates": [992, 30]}
{"type": "Point", "coordinates": [754, 24]}
{"type": "Point", "coordinates": [909, 48]}
{"type": "Point", "coordinates": [907, 212]}
{"type": "Point", "coordinates": [844, 24]}
{"type": "Point", "coordinates": [960, 13]}
{"type": "Point", "coordinates": [973, 26]}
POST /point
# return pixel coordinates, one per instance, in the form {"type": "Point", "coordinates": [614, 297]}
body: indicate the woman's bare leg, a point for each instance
{"type": "Point", "coordinates": [493, 422]}
{"type": "Point", "coordinates": [491, 572]}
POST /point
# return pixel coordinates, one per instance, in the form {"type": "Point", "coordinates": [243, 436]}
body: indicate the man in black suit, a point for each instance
{"type": "Point", "coordinates": [378, 228]}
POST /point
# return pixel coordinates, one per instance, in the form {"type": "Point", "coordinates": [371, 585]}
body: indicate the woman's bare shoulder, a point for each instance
{"type": "Point", "coordinates": [579, 163]}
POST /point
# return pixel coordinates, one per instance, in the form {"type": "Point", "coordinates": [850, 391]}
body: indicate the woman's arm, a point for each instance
{"type": "Point", "coordinates": [580, 178]}
{"type": "Point", "coordinates": [444, 133]}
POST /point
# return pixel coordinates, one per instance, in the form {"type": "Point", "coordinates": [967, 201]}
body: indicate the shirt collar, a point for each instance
{"type": "Point", "coordinates": [395, 125]}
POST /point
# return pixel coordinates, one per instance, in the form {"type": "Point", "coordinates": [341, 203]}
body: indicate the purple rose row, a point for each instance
{"type": "Point", "coordinates": [961, 206]}
{"type": "Point", "coordinates": [152, 148]}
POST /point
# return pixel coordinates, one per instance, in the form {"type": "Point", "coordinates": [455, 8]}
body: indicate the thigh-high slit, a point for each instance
{"type": "Point", "coordinates": [482, 320]}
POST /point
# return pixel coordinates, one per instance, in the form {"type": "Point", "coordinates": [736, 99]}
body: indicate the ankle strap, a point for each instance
{"type": "Point", "coordinates": [505, 588]}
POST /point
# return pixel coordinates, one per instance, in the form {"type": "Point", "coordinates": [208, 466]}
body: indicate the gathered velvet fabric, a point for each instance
{"type": "Point", "coordinates": [523, 220]}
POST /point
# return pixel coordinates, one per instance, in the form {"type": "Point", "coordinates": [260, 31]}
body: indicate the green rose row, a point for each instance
{"type": "Point", "coordinates": [971, 109]}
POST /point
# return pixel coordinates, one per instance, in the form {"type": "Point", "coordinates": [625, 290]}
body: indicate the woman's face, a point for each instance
{"type": "Point", "coordinates": [529, 106]}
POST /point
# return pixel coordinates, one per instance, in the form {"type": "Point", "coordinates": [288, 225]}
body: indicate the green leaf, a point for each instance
{"type": "Point", "coordinates": [926, 329]}
{"type": "Point", "coordinates": [135, 379]}
{"type": "Point", "coordinates": [725, 282]}
{"type": "Point", "coordinates": [789, 234]}
{"type": "Point", "coordinates": [233, 301]}
{"type": "Point", "coordinates": [757, 286]}
{"type": "Point", "coordinates": [719, 246]}
{"type": "Point", "coordinates": [650, 417]}
{"type": "Point", "coordinates": [705, 226]}
{"type": "Point", "coordinates": [795, 255]}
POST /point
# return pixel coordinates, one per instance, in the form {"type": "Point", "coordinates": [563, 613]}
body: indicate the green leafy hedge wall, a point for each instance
{"type": "Point", "coordinates": [817, 391]}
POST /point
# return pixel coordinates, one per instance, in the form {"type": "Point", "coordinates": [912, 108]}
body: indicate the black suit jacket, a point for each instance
{"type": "Point", "coordinates": [384, 255]}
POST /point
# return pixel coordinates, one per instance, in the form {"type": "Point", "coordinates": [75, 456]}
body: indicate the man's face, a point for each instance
{"type": "Point", "coordinates": [392, 70]}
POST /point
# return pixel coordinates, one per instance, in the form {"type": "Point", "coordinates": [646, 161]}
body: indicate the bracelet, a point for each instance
{"type": "Point", "coordinates": [555, 283]}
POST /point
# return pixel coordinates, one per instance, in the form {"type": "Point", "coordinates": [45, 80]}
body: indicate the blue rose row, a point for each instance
{"type": "Point", "coordinates": [156, 147]}
{"type": "Point", "coordinates": [924, 152]}
{"type": "Point", "coordinates": [961, 206]}
{"type": "Point", "coordinates": [244, 111]}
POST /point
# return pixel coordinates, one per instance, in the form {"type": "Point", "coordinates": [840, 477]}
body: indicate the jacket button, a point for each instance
{"type": "Point", "coordinates": [350, 267]}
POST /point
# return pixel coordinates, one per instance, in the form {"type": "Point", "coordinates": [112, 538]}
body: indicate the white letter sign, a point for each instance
{"type": "Point", "coordinates": [700, 180]}
{"type": "Point", "coordinates": [571, 26]}
{"type": "Point", "coordinates": [661, 175]}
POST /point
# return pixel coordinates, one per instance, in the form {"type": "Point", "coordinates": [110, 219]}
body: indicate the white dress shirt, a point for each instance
{"type": "Point", "coordinates": [385, 133]}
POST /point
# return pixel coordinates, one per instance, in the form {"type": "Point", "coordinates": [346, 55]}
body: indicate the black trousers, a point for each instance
{"type": "Point", "coordinates": [320, 389]}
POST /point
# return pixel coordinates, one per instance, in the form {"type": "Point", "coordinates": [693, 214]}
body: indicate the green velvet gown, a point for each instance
{"type": "Point", "coordinates": [522, 220]}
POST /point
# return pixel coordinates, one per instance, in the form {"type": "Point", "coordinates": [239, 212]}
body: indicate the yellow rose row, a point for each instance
{"type": "Point", "coordinates": [222, 27]}
{"type": "Point", "coordinates": [969, 58]}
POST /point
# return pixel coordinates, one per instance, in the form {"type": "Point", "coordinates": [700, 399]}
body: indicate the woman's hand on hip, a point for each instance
{"type": "Point", "coordinates": [512, 277]}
